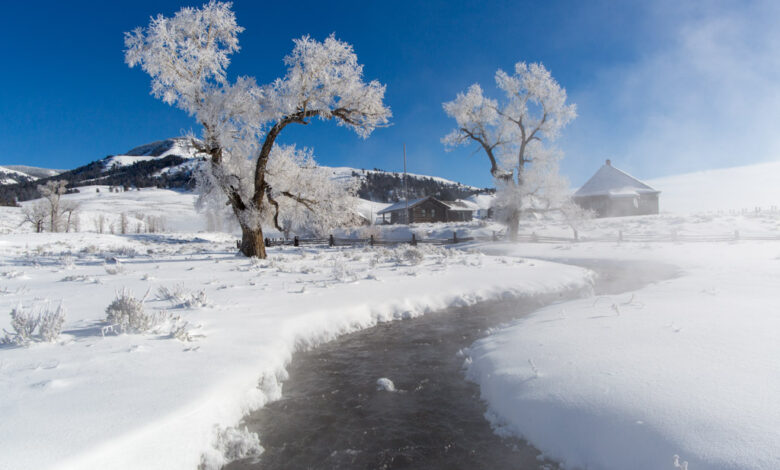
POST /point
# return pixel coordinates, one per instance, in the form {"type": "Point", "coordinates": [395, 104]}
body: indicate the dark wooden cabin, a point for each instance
{"type": "Point", "coordinates": [427, 210]}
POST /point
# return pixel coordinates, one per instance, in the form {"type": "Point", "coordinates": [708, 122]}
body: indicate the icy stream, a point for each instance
{"type": "Point", "coordinates": [333, 414]}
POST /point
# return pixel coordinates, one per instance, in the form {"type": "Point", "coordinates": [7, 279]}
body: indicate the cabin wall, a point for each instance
{"type": "Point", "coordinates": [459, 216]}
{"type": "Point", "coordinates": [429, 211]}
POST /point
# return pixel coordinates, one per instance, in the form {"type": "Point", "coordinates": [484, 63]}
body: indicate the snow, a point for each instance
{"type": "Point", "coordinates": [34, 171]}
{"type": "Point", "coordinates": [155, 151]}
{"type": "Point", "coordinates": [150, 401]}
{"type": "Point", "coordinates": [9, 176]}
{"type": "Point", "coordinates": [385, 384]}
{"type": "Point", "coordinates": [685, 366]}
{"type": "Point", "coordinates": [175, 208]}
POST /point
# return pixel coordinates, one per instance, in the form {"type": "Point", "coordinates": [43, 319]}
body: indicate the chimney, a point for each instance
{"type": "Point", "coordinates": [609, 162]}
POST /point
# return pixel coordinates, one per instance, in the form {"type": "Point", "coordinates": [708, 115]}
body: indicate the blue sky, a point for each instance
{"type": "Point", "coordinates": [661, 88]}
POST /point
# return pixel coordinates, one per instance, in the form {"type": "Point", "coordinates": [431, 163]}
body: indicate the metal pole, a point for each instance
{"type": "Point", "coordinates": [406, 192]}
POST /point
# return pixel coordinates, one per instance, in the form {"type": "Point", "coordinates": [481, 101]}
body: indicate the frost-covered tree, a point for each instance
{"type": "Point", "coordinates": [515, 133]}
{"type": "Point", "coordinates": [36, 214]}
{"type": "Point", "coordinates": [52, 193]}
{"type": "Point", "coordinates": [187, 56]}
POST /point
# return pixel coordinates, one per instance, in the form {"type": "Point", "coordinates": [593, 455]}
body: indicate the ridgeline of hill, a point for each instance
{"type": "Point", "coordinates": [172, 163]}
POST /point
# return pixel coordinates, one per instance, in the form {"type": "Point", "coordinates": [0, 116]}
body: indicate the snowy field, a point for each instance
{"type": "Point", "coordinates": [685, 367]}
{"type": "Point", "coordinates": [682, 367]}
{"type": "Point", "coordinates": [218, 339]}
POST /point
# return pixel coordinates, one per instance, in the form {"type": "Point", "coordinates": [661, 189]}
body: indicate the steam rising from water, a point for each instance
{"type": "Point", "coordinates": [705, 94]}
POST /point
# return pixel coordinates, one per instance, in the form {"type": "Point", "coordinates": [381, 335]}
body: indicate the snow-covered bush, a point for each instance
{"type": "Point", "coordinates": [341, 272]}
{"type": "Point", "coordinates": [126, 314]}
{"type": "Point", "coordinates": [24, 323]}
{"type": "Point", "coordinates": [179, 297]}
{"type": "Point", "coordinates": [182, 330]}
{"type": "Point", "coordinates": [50, 323]}
{"type": "Point", "coordinates": [114, 269]}
{"type": "Point", "coordinates": [411, 255]}
{"type": "Point", "coordinates": [67, 262]}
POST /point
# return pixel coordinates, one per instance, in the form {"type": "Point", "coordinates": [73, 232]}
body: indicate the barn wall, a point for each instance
{"type": "Point", "coordinates": [604, 206]}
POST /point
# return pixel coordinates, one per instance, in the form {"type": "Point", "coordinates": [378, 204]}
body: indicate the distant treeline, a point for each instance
{"type": "Point", "coordinates": [381, 187]}
{"type": "Point", "coordinates": [389, 187]}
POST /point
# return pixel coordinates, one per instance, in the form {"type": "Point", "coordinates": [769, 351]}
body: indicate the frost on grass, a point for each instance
{"type": "Point", "coordinates": [24, 322]}
{"type": "Point", "coordinates": [341, 272]}
{"type": "Point", "coordinates": [180, 297]}
{"type": "Point", "coordinates": [231, 444]}
{"type": "Point", "coordinates": [125, 314]}
{"type": "Point", "coordinates": [114, 269]}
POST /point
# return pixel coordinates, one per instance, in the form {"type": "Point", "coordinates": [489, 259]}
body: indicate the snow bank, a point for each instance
{"type": "Point", "coordinates": [686, 366]}
{"type": "Point", "coordinates": [149, 401]}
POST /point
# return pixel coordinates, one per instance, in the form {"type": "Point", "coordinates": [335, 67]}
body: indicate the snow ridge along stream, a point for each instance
{"type": "Point", "coordinates": [394, 396]}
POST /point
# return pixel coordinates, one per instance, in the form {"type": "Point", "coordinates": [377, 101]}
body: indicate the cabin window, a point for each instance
{"type": "Point", "coordinates": [423, 212]}
{"type": "Point", "coordinates": [433, 213]}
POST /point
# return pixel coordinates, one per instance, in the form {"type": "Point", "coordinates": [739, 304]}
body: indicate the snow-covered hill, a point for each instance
{"type": "Point", "coordinates": [13, 174]}
{"type": "Point", "coordinates": [179, 147]}
{"type": "Point", "coordinates": [724, 189]}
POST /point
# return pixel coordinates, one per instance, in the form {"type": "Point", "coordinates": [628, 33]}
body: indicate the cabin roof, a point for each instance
{"type": "Point", "coordinates": [459, 205]}
{"type": "Point", "coordinates": [609, 181]}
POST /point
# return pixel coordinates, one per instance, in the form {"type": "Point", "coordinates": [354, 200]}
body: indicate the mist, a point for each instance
{"type": "Point", "coordinates": [703, 93]}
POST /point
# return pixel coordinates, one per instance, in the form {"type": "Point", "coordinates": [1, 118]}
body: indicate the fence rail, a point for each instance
{"type": "Point", "coordinates": [528, 238]}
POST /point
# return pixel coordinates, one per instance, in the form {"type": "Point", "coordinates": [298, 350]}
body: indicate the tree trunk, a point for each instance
{"type": "Point", "coordinates": [252, 242]}
{"type": "Point", "coordinates": [513, 224]}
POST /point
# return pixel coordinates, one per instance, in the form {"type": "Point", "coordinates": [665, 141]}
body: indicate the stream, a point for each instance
{"type": "Point", "coordinates": [332, 415]}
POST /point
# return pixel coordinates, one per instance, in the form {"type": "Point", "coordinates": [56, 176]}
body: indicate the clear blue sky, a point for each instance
{"type": "Point", "coordinates": [660, 88]}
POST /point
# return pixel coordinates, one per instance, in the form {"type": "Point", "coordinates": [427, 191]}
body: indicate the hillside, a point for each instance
{"type": "Point", "coordinates": [171, 164]}
{"type": "Point", "coordinates": [724, 189]}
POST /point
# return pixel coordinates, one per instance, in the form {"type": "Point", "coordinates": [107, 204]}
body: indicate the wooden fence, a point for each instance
{"type": "Point", "coordinates": [617, 237]}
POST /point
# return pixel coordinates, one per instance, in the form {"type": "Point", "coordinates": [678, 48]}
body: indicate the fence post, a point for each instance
{"type": "Point", "coordinates": [495, 237]}
{"type": "Point", "coordinates": [372, 240]}
{"type": "Point", "coordinates": [295, 241]}
{"type": "Point", "coordinates": [414, 240]}
{"type": "Point", "coordinates": [454, 237]}
{"type": "Point", "coordinates": [331, 240]}
{"type": "Point", "coordinates": [267, 242]}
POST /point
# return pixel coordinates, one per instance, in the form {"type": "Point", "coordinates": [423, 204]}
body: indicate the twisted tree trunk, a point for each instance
{"type": "Point", "coordinates": [252, 243]}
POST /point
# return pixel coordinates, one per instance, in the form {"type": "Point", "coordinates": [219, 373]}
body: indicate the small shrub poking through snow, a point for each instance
{"type": "Point", "coordinates": [126, 314]}
{"type": "Point", "coordinates": [412, 256]}
{"type": "Point", "coordinates": [24, 323]}
{"type": "Point", "coordinates": [341, 272]}
{"type": "Point", "coordinates": [51, 322]}
{"type": "Point", "coordinates": [114, 269]}
{"type": "Point", "coordinates": [179, 297]}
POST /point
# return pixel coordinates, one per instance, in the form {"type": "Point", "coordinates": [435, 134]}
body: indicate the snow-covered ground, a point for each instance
{"type": "Point", "coordinates": [683, 367]}
{"type": "Point", "coordinates": [94, 399]}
